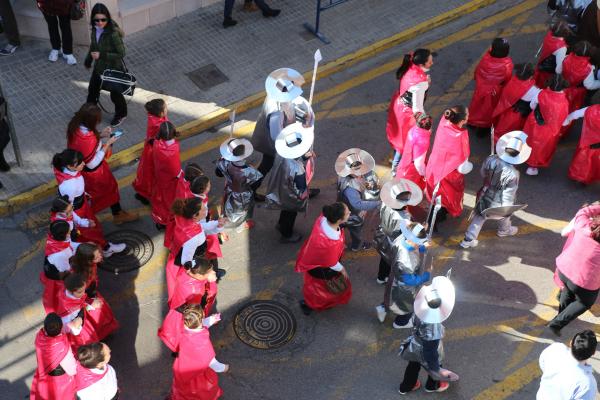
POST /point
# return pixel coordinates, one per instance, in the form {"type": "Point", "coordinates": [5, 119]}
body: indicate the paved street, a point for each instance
{"type": "Point", "coordinates": [505, 292]}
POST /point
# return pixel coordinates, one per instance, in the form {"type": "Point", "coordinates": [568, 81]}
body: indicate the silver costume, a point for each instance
{"type": "Point", "coordinates": [238, 198]}
{"type": "Point", "coordinates": [282, 190]}
{"type": "Point", "coordinates": [412, 347]}
{"type": "Point", "coordinates": [570, 10]}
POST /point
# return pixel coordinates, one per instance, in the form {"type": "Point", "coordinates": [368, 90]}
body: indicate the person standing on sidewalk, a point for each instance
{"type": "Point", "coordinates": [578, 267]}
{"type": "Point", "coordinates": [57, 13]}
{"type": "Point", "coordinates": [261, 4]}
{"type": "Point", "coordinates": [106, 52]}
{"type": "Point", "coordinates": [11, 30]}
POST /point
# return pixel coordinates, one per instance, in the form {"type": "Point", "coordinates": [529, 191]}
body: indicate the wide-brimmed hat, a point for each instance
{"type": "Point", "coordinates": [516, 140]}
{"type": "Point", "coordinates": [354, 162]}
{"type": "Point", "coordinates": [236, 149]}
{"type": "Point", "coordinates": [294, 140]}
{"type": "Point", "coordinates": [414, 233]}
{"type": "Point", "coordinates": [284, 84]}
{"type": "Point", "coordinates": [401, 192]}
{"type": "Point", "coordinates": [434, 303]}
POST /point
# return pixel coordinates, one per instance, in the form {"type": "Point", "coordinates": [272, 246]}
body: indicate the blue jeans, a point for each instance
{"type": "Point", "coordinates": [395, 162]}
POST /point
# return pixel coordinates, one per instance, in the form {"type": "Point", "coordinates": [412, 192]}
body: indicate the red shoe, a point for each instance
{"type": "Point", "coordinates": [442, 388]}
{"type": "Point", "coordinates": [250, 224]}
{"type": "Point", "coordinates": [416, 387]}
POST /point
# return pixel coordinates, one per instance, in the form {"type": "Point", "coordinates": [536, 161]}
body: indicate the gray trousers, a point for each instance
{"type": "Point", "coordinates": [477, 222]}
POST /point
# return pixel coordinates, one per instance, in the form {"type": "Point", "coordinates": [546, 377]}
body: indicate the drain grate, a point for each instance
{"type": "Point", "coordinates": [265, 324]}
{"type": "Point", "coordinates": [207, 77]}
{"type": "Point", "coordinates": [138, 252]}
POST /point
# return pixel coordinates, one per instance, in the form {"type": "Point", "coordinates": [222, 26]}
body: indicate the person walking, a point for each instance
{"type": "Point", "coordinates": [261, 4]}
{"type": "Point", "coordinates": [57, 13]}
{"type": "Point", "coordinates": [106, 52]}
{"type": "Point", "coordinates": [95, 379]}
{"type": "Point", "coordinates": [585, 165]}
{"type": "Point", "coordinates": [578, 267]}
{"type": "Point", "coordinates": [11, 30]}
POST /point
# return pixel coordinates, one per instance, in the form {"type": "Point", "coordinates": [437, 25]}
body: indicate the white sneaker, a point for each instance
{"type": "Point", "coordinates": [113, 248]}
{"type": "Point", "coordinates": [53, 56]}
{"type": "Point", "coordinates": [511, 232]}
{"type": "Point", "coordinates": [70, 59]}
{"type": "Point", "coordinates": [382, 282]}
{"type": "Point", "coordinates": [408, 325]}
{"type": "Point", "coordinates": [381, 313]}
{"type": "Point", "coordinates": [532, 171]}
{"type": "Point", "coordinates": [465, 244]}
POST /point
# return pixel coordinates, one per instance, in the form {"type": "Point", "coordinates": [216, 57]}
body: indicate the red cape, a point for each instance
{"type": "Point", "coordinates": [166, 168]}
{"type": "Point", "coordinates": [61, 176]}
{"type": "Point", "coordinates": [66, 306]}
{"type": "Point", "coordinates": [50, 351]}
{"type": "Point", "coordinates": [55, 246]}
{"type": "Point", "coordinates": [192, 377]}
{"type": "Point", "coordinates": [504, 117]}
{"type": "Point", "coordinates": [543, 139]}
{"type": "Point", "coordinates": [491, 75]}
{"type": "Point", "coordinates": [99, 183]}
{"type": "Point", "coordinates": [52, 287]}
{"type": "Point", "coordinates": [86, 378]}
{"type": "Point", "coordinates": [184, 229]}
{"type": "Point", "coordinates": [145, 172]}
{"type": "Point", "coordinates": [417, 144]}
{"type": "Point", "coordinates": [585, 166]}
{"type": "Point", "coordinates": [550, 45]}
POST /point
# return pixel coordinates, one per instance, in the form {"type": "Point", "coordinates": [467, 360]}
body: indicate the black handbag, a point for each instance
{"type": "Point", "coordinates": [114, 80]}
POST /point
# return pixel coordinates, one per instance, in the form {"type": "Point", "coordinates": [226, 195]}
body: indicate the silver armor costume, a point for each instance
{"type": "Point", "coordinates": [238, 202]}
{"type": "Point", "coordinates": [412, 347]}
{"type": "Point", "coordinates": [282, 190]}
{"type": "Point", "coordinates": [501, 181]}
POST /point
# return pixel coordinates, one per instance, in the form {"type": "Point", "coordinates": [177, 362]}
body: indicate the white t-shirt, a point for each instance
{"type": "Point", "coordinates": [105, 389]}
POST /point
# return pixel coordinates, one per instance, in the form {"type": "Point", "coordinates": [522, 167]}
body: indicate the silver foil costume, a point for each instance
{"type": "Point", "coordinates": [283, 191]}
{"type": "Point", "coordinates": [412, 347]}
{"type": "Point", "coordinates": [501, 181]}
{"type": "Point", "coordinates": [238, 201]}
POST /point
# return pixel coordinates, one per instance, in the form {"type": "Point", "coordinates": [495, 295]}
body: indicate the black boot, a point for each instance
{"type": "Point", "coordinates": [227, 22]}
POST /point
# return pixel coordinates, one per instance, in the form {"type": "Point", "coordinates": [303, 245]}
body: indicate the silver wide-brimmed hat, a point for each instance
{"type": "Point", "coordinates": [284, 84]}
{"type": "Point", "coordinates": [354, 162]}
{"type": "Point", "coordinates": [434, 302]}
{"type": "Point", "coordinates": [516, 140]}
{"type": "Point", "coordinates": [294, 140]}
{"type": "Point", "coordinates": [234, 149]}
{"type": "Point", "coordinates": [401, 192]}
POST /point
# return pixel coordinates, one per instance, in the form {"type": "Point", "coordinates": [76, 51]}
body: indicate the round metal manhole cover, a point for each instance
{"type": "Point", "coordinates": [138, 252]}
{"type": "Point", "coordinates": [264, 324]}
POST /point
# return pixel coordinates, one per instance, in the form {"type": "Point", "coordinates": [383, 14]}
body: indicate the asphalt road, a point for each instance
{"type": "Point", "coordinates": [504, 286]}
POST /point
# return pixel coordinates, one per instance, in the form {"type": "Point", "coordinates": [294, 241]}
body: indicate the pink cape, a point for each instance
{"type": "Point", "coordinates": [145, 172]}
{"type": "Point", "coordinates": [185, 229]}
{"type": "Point", "coordinates": [86, 378]}
{"type": "Point", "coordinates": [585, 166]}
{"type": "Point", "coordinates": [167, 166]}
{"type": "Point", "coordinates": [505, 118]}
{"type": "Point", "coordinates": [416, 145]}
{"type": "Point", "coordinates": [50, 351]}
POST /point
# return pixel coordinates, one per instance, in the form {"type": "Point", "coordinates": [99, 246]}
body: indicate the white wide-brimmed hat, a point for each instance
{"type": "Point", "coordinates": [354, 162]}
{"type": "Point", "coordinates": [517, 141]}
{"type": "Point", "coordinates": [236, 149]}
{"type": "Point", "coordinates": [284, 84]}
{"type": "Point", "coordinates": [294, 140]}
{"type": "Point", "coordinates": [434, 303]}
{"type": "Point", "coordinates": [414, 233]}
{"type": "Point", "coordinates": [401, 192]}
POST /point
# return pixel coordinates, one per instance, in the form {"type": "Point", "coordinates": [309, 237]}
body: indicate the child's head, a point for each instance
{"type": "Point", "coordinates": [500, 48]}
{"type": "Point", "coordinates": [560, 28]}
{"type": "Point", "coordinates": [335, 212]}
{"type": "Point", "coordinates": [582, 48]}
{"type": "Point", "coordinates": [583, 345]}
{"type": "Point", "coordinates": [557, 83]}
{"type": "Point", "coordinates": [167, 131]}
{"type": "Point", "coordinates": [93, 355]}
{"type": "Point", "coordinates": [191, 171]}
{"type": "Point", "coordinates": [75, 284]}
{"type": "Point", "coordinates": [61, 204]}
{"type": "Point", "coordinates": [424, 121]}
{"type": "Point", "coordinates": [189, 208]}
{"type": "Point", "coordinates": [53, 325]}
{"type": "Point", "coordinates": [524, 71]}
{"type": "Point", "coordinates": [156, 107]}
{"type": "Point", "coordinates": [85, 256]}
{"type": "Point", "coordinates": [198, 266]}
{"type": "Point", "coordinates": [193, 316]}
{"type": "Point", "coordinates": [457, 114]}
{"type": "Point", "coordinates": [59, 230]}
{"type": "Point", "coordinates": [200, 185]}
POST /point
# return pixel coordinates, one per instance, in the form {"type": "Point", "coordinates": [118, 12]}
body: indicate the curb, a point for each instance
{"type": "Point", "coordinates": [221, 115]}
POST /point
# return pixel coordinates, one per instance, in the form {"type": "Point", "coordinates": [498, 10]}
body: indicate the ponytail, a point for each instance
{"type": "Point", "coordinates": [456, 114]}
{"type": "Point", "coordinates": [193, 315]}
{"type": "Point", "coordinates": [406, 63]}
{"type": "Point", "coordinates": [89, 115]}
{"type": "Point", "coordinates": [199, 265]}
{"type": "Point", "coordinates": [191, 171]}
{"type": "Point", "coordinates": [187, 208]}
{"type": "Point", "coordinates": [418, 57]}
{"type": "Point", "coordinates": [199, 184]}
{"type": "Point", "coordinates": [65, 158]}
{"type": "Point", "coordinates": [166, 131]}
{"type": "Point", "coordinates": [155, 107]}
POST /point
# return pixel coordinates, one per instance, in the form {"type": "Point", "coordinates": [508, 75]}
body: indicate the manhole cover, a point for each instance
{"type": "Point", "coordinates": [207, 77]}
{"type": "Point", "coordinates": [138, 252]}
{"type": "Point", "coordinates": [264, 324]}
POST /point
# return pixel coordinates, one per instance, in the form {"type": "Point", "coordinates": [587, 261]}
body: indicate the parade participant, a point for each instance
{"type": "Point", "coordinates": [544, 124]}
{"type": "Point", "coordinates": [157, 114]}
{"type": "Point", "coordinates": [195, 368]}
{"type": "Point", "coordinates": [54, 378]}
{"type": "Point", "coordinates": [62, 210]}
{"type": "Point", "coordinates": [514, 105]}
{"type": "Point", "coordinates": [351, 166]}
{"type": "Point", "coordinates": [552, 54]}
{"type": "Point", "coordinates": [67, 169]}
{"type": "Point", "coordinates": [433, 305]}
{"type": "Point", "coordinates": [449, 162]}
{"type": "Point", "coordinates": [83, 136]}
{"type": "Point", "coordinates": [491, 75]}
{"type": "Point", "coordinates": [500, 185]}
{"type": "Point", "coordinates": [404, 256]}
{"type": "Point", "coordinates": [408, 99]}
{"type": "Point", "coordinates": [412, 163]}
{"type": "Point", "coordinates": [326, 282]}
{"type": "Point", "coordinates": [288, 184]}
{"type": "Point", "coordinates": [198, 286]}
{"type": "Point", "coordinates": [577, 267]}
{"type": "Point", "coordinates": [585, 165]}
{"type": "Point", "coordinates": [167, 165]}
{"type": "Point", "coordinates": [396, 196]}
{"type": "Point", "coordinates": [571, 11]}
{"type": "Point", "coordinates": [241, 181]}
{"type": "Point", "coordinates": [566, 374]}
{"type": "Point", "coordinates": [96, 379]}
{"type": "Point", "coordinates": [85, 263]}
{"type": "Point", "coordinates": [59, 249]}
{"type": "Point", "coordinates": [283, 106]}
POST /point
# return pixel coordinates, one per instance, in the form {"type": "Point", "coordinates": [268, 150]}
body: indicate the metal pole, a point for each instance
{"type": "Point", "coordinates": [318, 21]}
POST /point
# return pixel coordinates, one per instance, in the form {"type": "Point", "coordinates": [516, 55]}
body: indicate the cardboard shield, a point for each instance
{"type": "Point", "coordinates": [502, 212]}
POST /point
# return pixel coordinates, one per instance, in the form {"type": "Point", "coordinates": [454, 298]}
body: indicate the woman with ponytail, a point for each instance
{"type": "Point", "coordinates": [326, 282]}
{"type": "Point", "coordinates": [408, 99]}
{"type": "Point", "coordinates": [449, 161]}
{"type": "Point", "coordinates": [198, 285]}
{"type": "Point", "coordinates": [412, 165]}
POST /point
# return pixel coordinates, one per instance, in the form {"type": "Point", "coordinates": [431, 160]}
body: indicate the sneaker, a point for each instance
{"type": "Point", "coordinates": [532, 171]}
{"type": "Point", "coordinates": [142, 199]}
{"type": "Point", "coordinates": [381, 313]}
{"type": "Point", "coordinates": [228, 22]}
{"type": "Point", "coordinates": [416, 387]}
{"type": "Point", "coordinates": [8, 50]}
{"type": "Point", "coordinates": [511, 232]}
{"type": "Point", "coordinates": [408, 325]}
{"type": "Point", "coordinates": [124, 216]}
{"type": "Point", "coordinates": [555, 330]}
{"type": "Point", "coordinates": [442, 388]}
{"type": "Point", "coordinates": [220, 274]}
{"type": "Point", "coordinates": [116, 121]}
{"type": "Point", "coordinates": [382, 282]}
{"type": "Point", "coordinates": [53, 56]}
{"type": "Point", "coordinates": [465, 244]}
{"type": "Point", "coordinates": [70, 59]}
{"type": "Point", "coordinates": [295, 238]}
{"type": "Point", "coordinates": [113, 248]}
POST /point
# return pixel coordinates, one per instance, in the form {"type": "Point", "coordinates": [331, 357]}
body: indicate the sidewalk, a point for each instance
{"type": "Point", "coordinates": [43, 95]}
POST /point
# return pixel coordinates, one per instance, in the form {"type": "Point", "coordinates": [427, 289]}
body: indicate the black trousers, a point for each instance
{"type": "Point", "coordinates": [117, 98]}
{"type": "Point", "coordinates": [411, 374]}
{"type": "Point", "coordinates": [64, 21]}
{"type": "Point", "coordinates": [9, 23]}
{"type": "Point", "coordinates": [574, 301]}
{"type": "Point", "coordinates": [229, 6]}
{"type": "Point", "coordinates": [266, 164]}
{"type": "Point", "coordinates": [286, 222]}
{"type": "Point", "coordinates": [384, 270]}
